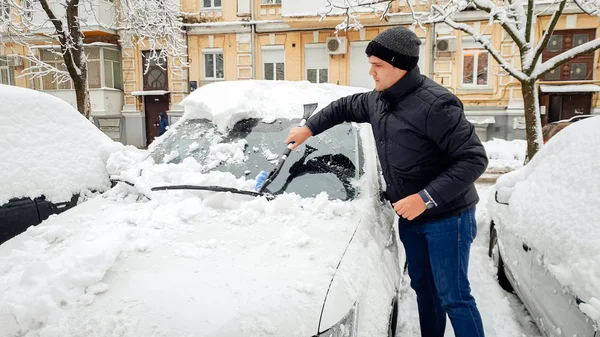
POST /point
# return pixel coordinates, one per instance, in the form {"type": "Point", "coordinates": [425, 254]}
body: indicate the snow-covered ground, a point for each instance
{"type": "Point", "coordinates": [503, 313]}
{"type": "Point", "coordinates": [505, 155]}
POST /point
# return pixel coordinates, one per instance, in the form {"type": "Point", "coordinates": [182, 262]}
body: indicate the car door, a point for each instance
{"type": "Point", "coordinates": [555, 307]}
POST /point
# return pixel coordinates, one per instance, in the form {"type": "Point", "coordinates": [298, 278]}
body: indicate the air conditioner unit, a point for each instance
{"type": "Point", "coordinates": [14, 60]}
{"type": "Point", "coordinates": [446, 45]}
{"type": "Point", "coordinates": [336, 45]}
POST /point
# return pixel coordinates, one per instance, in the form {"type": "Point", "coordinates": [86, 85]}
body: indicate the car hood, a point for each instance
{"type": "Point", "coordinates": [178, 266]}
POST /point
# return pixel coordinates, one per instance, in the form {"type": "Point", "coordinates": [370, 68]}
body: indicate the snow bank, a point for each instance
{"type": "Point", "coordinates": [505, 155]}
{"type": "Point", "coordinates": [48, 148]}
{"type": "Point", "coordinates": [228, 102]}
{"type": "Point", "coordinates": [553, 207]}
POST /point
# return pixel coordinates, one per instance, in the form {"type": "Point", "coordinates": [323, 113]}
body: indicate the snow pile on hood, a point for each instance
{"type": "Point", "coordinates": [505, 155]}
{"type": "Point", "coordinates": [113, 264]}
{"type": "Point", "coordinates": [48, 148]}
{"type": "Point", "coordinates": [228, 102]}
{"type": "Point", "coordinates": [554, 208]}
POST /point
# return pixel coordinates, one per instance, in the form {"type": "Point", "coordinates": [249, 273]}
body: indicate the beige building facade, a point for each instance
{"type": "Point", "coordinates": [230, 40]}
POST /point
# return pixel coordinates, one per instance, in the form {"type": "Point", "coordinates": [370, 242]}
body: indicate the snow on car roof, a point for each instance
{"type": "Point", "coordinates": [228, 102]}
{"type": "Point", "coordinates": [47, 147]}
{"type": "Point", "coordinates": [554, 208]}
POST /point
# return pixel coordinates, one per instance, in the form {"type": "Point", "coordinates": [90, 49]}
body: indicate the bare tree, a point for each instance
{"type": "Point", "coordinates": [67, 33]}
{"type": "Point", "coordinates": [158, 26]}
{"type": "Point", "coordinates": [155, 24]}
{"type": "Point", "coordinates": [518, 18]}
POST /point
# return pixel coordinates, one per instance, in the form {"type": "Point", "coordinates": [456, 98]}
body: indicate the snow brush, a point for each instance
{"type": "Point", "coordinates": [263, 179]}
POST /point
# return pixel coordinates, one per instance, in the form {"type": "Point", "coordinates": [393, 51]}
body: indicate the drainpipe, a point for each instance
{"type": "Point", "coordinates": [252, 38]}
{"type": "Point", "coordinates": [432, 39]}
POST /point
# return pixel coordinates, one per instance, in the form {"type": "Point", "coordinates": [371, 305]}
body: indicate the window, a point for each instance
{"type": "Point", "coordinates": [212, 3]}
{"type": "Point", "coordinates": [580, 67]}
{"type": "Point", "coordinates": [55, 59]}
{"type": "Point", "coordinates": [475, 69]}
{"type": "Point", "coordinates": [7, 73]}
{"type": "Point", "coordinates": [273, 58]}
{"type": "Point", "coordinates": [213, 64]}
{"type": "Point", "coordinates": [316, 63]}
{"type": "Point", "coordinates": [104, 69]}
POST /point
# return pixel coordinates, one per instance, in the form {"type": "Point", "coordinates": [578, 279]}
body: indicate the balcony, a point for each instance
{"type": "Point", "coordinates": [99, 17]}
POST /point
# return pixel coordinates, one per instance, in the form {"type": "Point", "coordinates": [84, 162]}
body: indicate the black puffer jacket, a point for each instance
{"type": "Point", "coordinates": [423, 140]}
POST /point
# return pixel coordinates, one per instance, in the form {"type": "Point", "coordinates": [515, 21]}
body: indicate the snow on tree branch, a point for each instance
{"type": "Point", "coordinates": [557, 60]}
{"type": "Point", "coordinates": [591, 7]}
{"type": "Point", "coordinates": [349, 8]}
{"type": "Point", "coordinates": [159, 26]}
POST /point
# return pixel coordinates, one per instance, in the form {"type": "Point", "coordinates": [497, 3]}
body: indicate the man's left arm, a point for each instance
{"type": "Point", "coordinates": [455, 136]}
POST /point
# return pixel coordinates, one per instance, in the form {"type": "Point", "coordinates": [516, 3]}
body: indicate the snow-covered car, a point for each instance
{"type": "Point", "coordinates": [314, 254]}
{"type": "Point", "coordinates": [544, 237]}
{"type": "Point", "coordinates": [52, 158]}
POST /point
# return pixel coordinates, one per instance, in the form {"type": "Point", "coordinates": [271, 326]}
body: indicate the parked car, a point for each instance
{"type": "Point", "coordinates": [544, 237]}
{"type": "Point", "coordinates": [550, 129]}
{"type": "Point", "coordinates": [314, 254]}
{"type": "Point", "coordinates": [52, 157]}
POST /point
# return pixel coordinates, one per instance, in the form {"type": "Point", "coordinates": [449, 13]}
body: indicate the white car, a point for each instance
{"type": "Point", "coordinates": [315, 254]}
{"type": "Point", "coordinates": [544, 236]}
{"type": "Point", "coordinates": [52, 158]}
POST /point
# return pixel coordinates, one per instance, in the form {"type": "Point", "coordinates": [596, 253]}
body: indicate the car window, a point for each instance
{"type": "Point", "coordinates": [329, 162]}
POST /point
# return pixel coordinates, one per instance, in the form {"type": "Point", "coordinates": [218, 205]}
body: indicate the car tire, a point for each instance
{"type": "Point", "coordinates": [494, 253]}
{"type": "Point", "coordinates": [393, 322]}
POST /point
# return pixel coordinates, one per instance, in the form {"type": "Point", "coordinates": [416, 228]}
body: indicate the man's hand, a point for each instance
{"type": "Point", "coordinates": [410, 207]}
{"type": "Point", "coordinates": [298, 136]}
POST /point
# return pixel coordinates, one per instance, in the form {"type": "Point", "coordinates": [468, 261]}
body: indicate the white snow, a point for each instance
{"type": "Point", "coordinates": [115, 264]}
{"type": "Point", "coordinates": [570, 88]}
{"type": "Point", "coordinates": [505, 155]}
{"type": "Point", "coordinates": [48, 148]}
{"type": "Point", "coordinates": [226, 103]}
{"type": "Point", "coordinates": [552, 207]}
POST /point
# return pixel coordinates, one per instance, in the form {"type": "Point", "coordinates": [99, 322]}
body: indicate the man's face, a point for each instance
{"type": "Point", "coordinates": [384, 74]}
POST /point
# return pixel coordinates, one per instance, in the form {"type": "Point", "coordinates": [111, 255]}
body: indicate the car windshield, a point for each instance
{"type": "Point", "coordinates": [329, 162]}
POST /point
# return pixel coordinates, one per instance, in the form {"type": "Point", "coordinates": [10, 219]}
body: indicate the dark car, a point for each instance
{"type": "Point", "coordinates": [52, 158]}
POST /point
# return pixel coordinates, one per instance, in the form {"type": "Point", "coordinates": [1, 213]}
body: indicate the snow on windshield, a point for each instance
{"type": "Point", "coordinates": [329, 162]}
{"type": "Point", "coordinates": [553, 208]}
{"type": "Point", "coordinates": [48, 148]}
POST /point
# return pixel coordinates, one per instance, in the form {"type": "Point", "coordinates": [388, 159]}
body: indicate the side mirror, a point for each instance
{"type": "Point", "coordinates": [502, 195]}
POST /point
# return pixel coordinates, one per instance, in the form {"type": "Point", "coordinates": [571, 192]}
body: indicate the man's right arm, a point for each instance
{"type": "Point", "coordinates": [353, 108]}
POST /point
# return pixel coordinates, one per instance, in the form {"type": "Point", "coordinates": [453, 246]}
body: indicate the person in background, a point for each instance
{"type": "Point", "coordinates": [163, 123]}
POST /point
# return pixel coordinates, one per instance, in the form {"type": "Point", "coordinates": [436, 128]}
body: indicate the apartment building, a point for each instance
{"type": "Point", "coordinates": [288, 40]}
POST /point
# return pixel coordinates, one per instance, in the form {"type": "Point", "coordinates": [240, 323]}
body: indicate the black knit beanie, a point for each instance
{"type": "Point", "coordinates": [397, 46]}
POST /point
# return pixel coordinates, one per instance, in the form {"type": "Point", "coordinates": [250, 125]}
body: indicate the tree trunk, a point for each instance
{"type": "Point", "coordinates": [82, 96]}
{"type": "Point", "coordinates": [533, 123]}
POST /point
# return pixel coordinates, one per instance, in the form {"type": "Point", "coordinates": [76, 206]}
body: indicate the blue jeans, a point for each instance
{"type": "Point", "coordinates": [437, 254]}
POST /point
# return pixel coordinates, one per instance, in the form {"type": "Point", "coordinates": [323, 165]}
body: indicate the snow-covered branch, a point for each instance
{"type": "Point", "coordinates": [557, 60]}
{"type": "Point", "coordinates": [530, 62]}
{"type": "Point", "coordinates": [349, 8]}
{"type": "Point", "coordinates": [487, 44]}
{"type": "Point", "coordinates": [159, 26]}
{"type": "Point", "coordinates": [591, 7]}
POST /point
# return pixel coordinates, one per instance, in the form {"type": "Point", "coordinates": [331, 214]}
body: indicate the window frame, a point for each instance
{"type": "Point", "coordinates": [277, 48]}
{"type": "Point", "coordinates": [10, 71]}
{"type": "Point", "coordinates": [475, 52]}
{"type": "Point", "coordinates": [214, 52]}
{"type": "Point", "coordinates": [212, 2]}
{"type": "Point", "coordinates": [321, 47]}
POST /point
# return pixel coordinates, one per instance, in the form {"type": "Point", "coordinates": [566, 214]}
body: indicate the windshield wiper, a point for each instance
{"type": "Point", "coordinates": [214, 189]}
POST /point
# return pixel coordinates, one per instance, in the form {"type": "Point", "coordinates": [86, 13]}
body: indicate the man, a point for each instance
{"type": "Point", "coordinates": [431, 157]}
